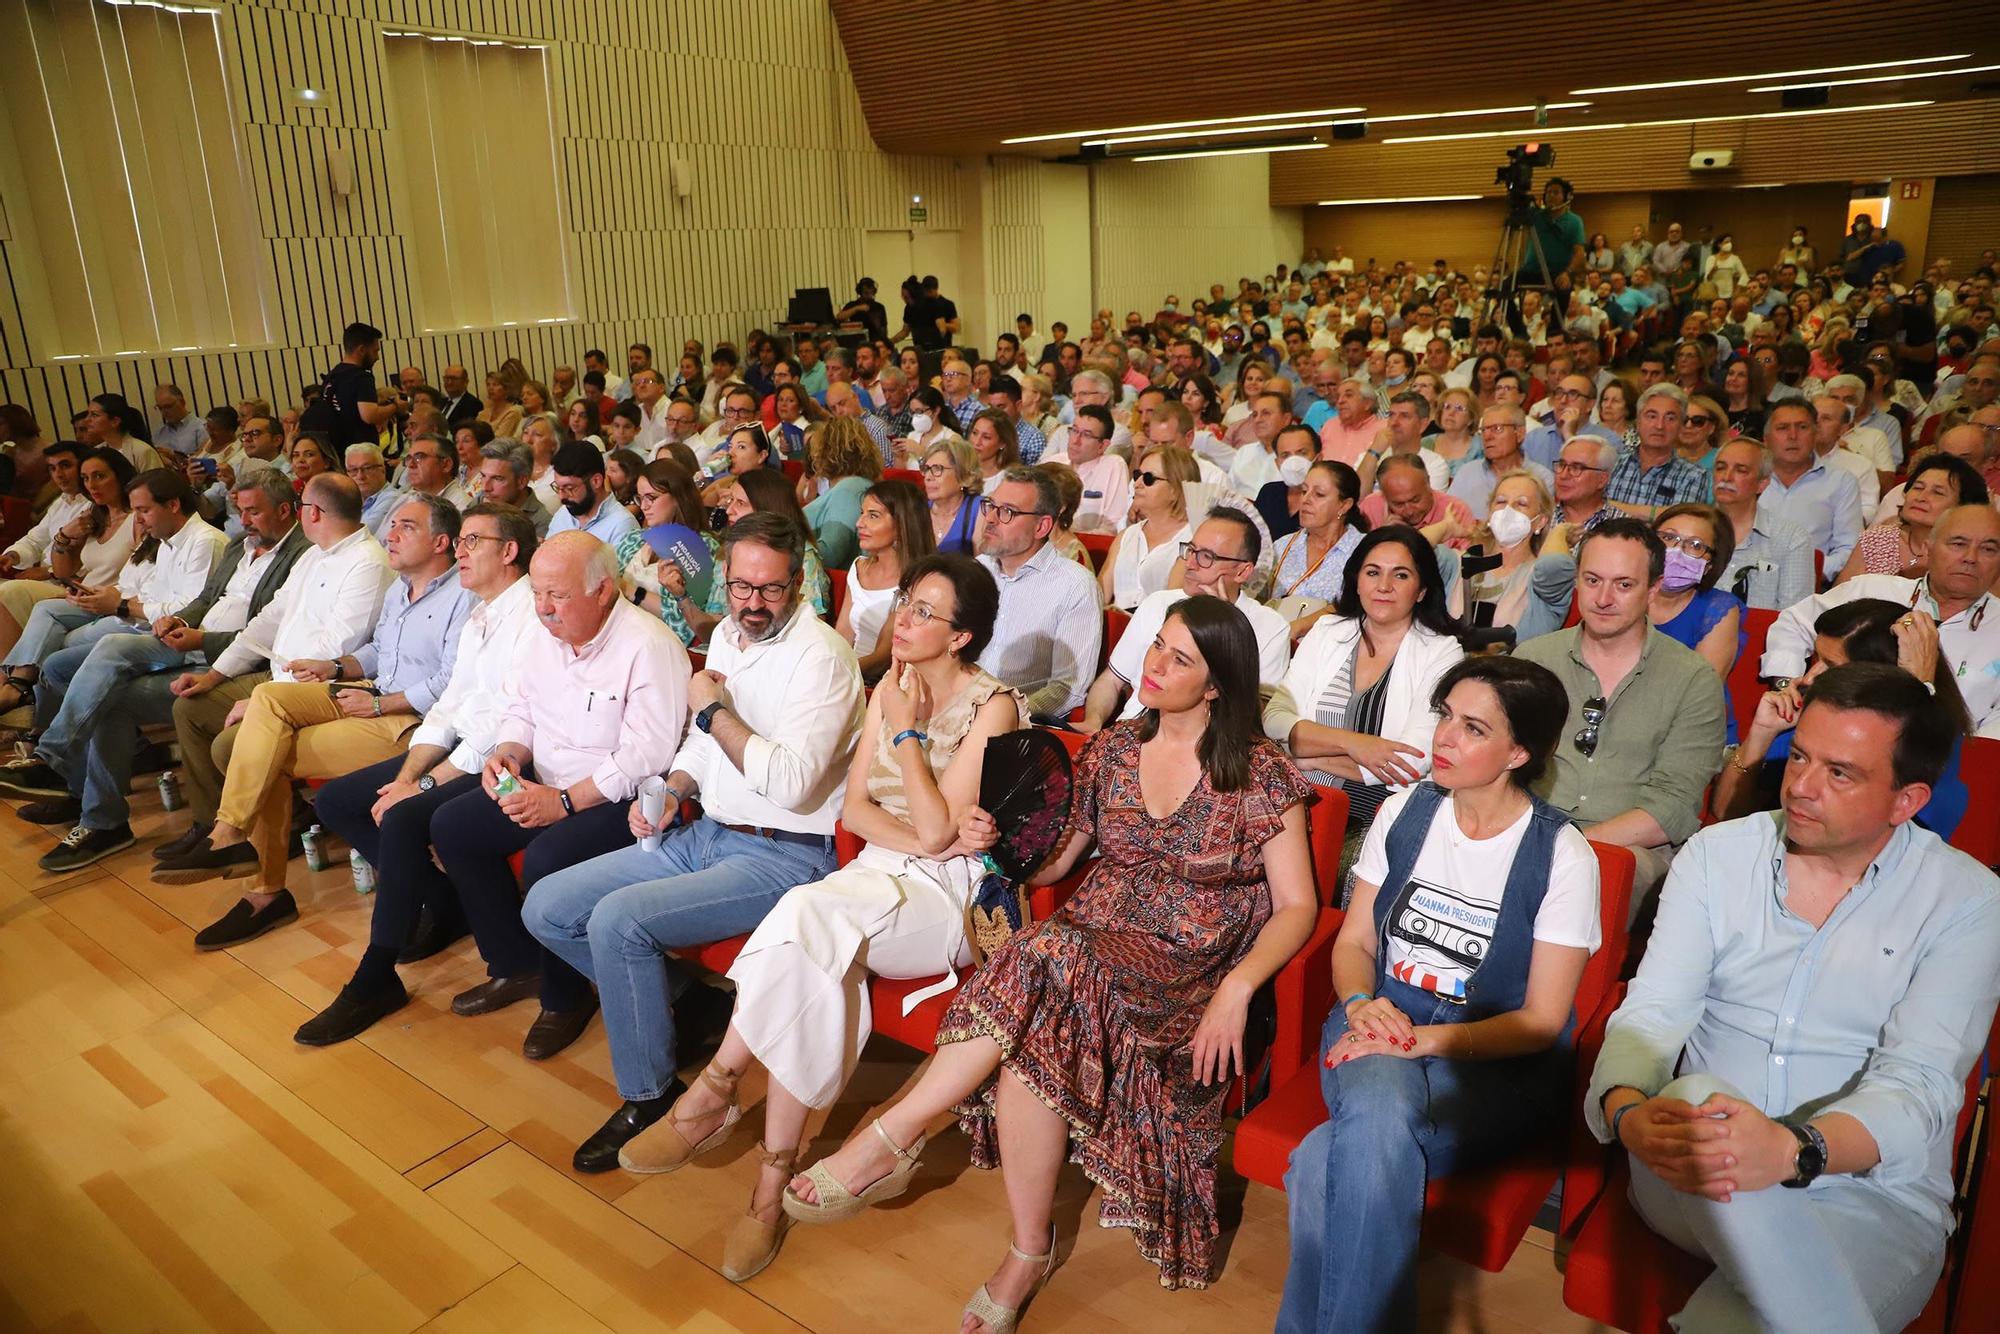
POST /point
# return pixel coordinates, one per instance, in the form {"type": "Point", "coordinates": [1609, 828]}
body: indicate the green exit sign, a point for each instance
{"type": "Point", "coordinates": [920, 214]}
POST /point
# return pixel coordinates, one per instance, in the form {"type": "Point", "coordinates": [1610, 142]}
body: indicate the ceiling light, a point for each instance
{"type": "Point", "coordinates": [1876, 78]}
{"type": "Point", "coordinates": [1183, 125]}
{"type": "Point", "coordinates": [1524, 109]}
{"type": "Point", "coordinates": [1222, 152]}
{"type": "Point", "coordinates": [1780, 74]}
{"type": "Point", "coordinates": [1405, 199]}
{"type": "Point", "coordinates": [1649, 124]}
{"type": "Point", "coordinates": [1207, 134]}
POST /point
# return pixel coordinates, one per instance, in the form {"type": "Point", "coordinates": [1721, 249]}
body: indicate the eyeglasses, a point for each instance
{"type": "Point", "coordinates": [1593, 719]}
{"type": "Point", "coordinates": [1201, 557]}
{"type": "Point", "coordinates": [1075, 434]}
{"type": "Point", "coordinates": [920, 613]}
{"type": "Point", "coordinates": [471, 541]}
{"type": "Point", "coordinates": [414, 457]}
{"type": "Point", "coordinates": [305, 505]}
{"type": "Point", "coordinates": [1694, 546]}
{"type": "Point", "coordinates": [363, 469]}
{"type": "Point", "coordinates": [741, 590]}
{"type": "Point", "coordinates": [1698, 419]}
{"type": "Point", "coordinates": [1007, 513]}
{"type": "Point", "coordinates": [738, 413]}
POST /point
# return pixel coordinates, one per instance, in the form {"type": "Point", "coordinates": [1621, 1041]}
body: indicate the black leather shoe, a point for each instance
{"type": "Point", "coordinates": [205, 863]}
{"type": "Point", "coordinates": [52, 810]}
{"type": "Point", "coordinates": [496, 994]}
{"type": "Point", "coordinates": [243, 922]}
{"type": "Point", "coordinates": [431, 938]}
{"type": "Point", "coordinates": [351, 1015]}
{"type": "Point", "coordinates": [555, 1029]}
{"type": "Point", "coordinates": [195, 837]}
{"type": "Point", "coordinates": [599, 1153]}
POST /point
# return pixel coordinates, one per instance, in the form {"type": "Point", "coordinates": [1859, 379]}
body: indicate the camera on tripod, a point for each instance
{"type": "Point", "coordinates": [1519, 178]}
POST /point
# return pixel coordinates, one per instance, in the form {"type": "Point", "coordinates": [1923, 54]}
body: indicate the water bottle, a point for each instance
{"type": "Point", "coordinates": [506, 785]}
{"type": "Point", "coordinates": [170, 791]}
{"type": "Point", "coordinates": [315, 854]}
{"type": "Point", "coordinates": [363, 873]}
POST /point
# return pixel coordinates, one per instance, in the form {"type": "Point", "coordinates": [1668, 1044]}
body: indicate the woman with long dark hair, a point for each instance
{"type": "Point", "coordinates": [1475, 909]}
{"type": "Point", "coordinates": [893, 533]}
{"type": "Point", "coordinates": [85, 558]}
{"type": "Point", "coordinates": [666, 494]}
{"type": "Point", "coordinates": [1108, 1034]}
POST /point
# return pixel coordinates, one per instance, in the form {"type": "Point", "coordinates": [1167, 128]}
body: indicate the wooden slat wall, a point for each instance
{"type": "Point", "coordinates": [755, 94]}
{"type": "Point", "coordinates": [1176, 227]}
{"type": "Point", "coordinates": [1964, 221]}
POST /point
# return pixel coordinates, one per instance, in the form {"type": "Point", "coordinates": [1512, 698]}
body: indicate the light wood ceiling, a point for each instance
{"type": "Point", "coordinates": [962, 81]}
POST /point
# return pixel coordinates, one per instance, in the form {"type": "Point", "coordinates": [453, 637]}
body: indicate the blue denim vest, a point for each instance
{"type": "Point", "coordinates": [1499, 983]}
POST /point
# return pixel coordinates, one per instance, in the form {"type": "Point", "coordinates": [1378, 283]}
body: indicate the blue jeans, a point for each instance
{"type": "Point", "coordinates": [92, 698]}
{"type": "Point", "coordinates": [49, 627]}
{"type": "Point", "coordinates": [1355, 1188]}
{"type": "Point", "coordinates": [615, 918]}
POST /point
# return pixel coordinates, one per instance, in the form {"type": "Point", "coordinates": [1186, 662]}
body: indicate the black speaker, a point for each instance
{"type": "Point", "coordinates": [1350, 129]}
{"type": "Point", "coordinates": [1798, 99]}
{"type": "Point", "coordinates": [1093, 152]}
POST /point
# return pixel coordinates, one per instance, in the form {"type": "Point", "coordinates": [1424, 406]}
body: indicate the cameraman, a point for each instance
{"type": "Point", "coordinates": [1560, 235]}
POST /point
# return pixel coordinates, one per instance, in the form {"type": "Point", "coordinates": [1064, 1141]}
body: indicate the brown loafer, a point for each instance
{"type": "Point", "coordinates": [555, 1029]}
{"type": "Point", "coordinates": [496, 994]}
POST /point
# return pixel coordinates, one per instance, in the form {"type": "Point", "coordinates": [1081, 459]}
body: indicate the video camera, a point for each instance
{"type": "Point", "coordinates": [1519, 177]}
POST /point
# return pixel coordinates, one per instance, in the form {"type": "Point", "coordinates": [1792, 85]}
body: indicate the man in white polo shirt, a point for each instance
{"type": "Point", "coordinates": [1219, 559]}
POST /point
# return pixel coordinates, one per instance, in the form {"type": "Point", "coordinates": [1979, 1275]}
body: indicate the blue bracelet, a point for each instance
{"type": "Point", "coordinates": [1359, 995]}
{"type": "Point", "coordinates": [907, 734]}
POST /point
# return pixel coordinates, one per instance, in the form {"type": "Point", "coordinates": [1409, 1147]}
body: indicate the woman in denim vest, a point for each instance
{"type": "Point", "coordinates": [1474, 911]}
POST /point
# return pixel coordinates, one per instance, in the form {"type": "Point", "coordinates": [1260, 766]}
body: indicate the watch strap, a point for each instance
{"type": "Point", "coordinates": [1811, 1158]}
{"type": "Point", "coordinates": [569, 807]}
{"type": "Point", "coordinates": [706, 718]}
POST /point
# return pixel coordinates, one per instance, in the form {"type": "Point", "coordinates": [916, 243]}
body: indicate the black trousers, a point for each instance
{"type": "Point", "coordinates": [474, 838]}
{"type": "Point", "coordinates": [406, 880]}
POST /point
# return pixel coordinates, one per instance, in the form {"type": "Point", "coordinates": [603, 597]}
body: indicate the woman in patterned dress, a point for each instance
{"type": "Point", "coordinates": [1110, 1032]}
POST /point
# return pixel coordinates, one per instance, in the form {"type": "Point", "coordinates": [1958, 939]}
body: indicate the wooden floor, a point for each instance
{"type": "Point", "coordinates": [171, 1160]}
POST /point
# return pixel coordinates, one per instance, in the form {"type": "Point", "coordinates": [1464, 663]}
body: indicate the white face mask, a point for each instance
{"type": "Point", "coordinates": [1798, 238]}
{"type": "Point", "coordinates": [1726, 247]}
{"type": "Point", "coordinates": [920, 423]}
{"type": "Point", "coordinates": [1510, 526]}
{"type": "Point", "coordinates": [1292, 469]}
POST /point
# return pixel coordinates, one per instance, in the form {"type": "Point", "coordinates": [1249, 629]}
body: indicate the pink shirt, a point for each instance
{"type": "Point", "coordinates": [1347, 444]}
{"type": "Point", "coordinates": [611, 711]}
{"type": "Point", "coordinates": [1110, 478]}
{"type": "Point", "coordinates": [1442, 503]}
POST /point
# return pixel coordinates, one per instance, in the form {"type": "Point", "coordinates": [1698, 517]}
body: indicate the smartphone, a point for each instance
{"type": "Point", "coordinates": [66, 582]}
{"type": "Point", "coordinates": [209, 464]}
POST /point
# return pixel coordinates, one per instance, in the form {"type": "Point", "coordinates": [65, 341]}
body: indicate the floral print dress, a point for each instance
{"type": "Point", "coordinates": [1095, 1009]}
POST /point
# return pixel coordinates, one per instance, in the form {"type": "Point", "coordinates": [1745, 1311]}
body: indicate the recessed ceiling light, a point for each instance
{"type": "Point", "coordinates": [1206, 134]}
{"type": "Point", "coordinates": [1649, 124]}
{"type": "Point", "coordinates": [1224, 152]}
{"type": "Point", "coordinates": [1779, 74]}
{"type": "Point", "coordinates": [1405, 199]}
{"type": "Point", "coordinates": [1183, 125]}
{"type": "Point", "coordinates": [1875, 78]}
{"type": "Point", "coordinates": [1473, 111]}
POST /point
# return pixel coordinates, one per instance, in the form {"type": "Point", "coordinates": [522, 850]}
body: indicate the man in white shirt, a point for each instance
{"type": "Point", "coordinates": [1219, 560]}
{"type": "Point", "coordinates": [1256, 462]}
{"type": "Point", "coordinates": [430, 468]}
{"type": "Point", "coordinates": [649, 395]}
{"type": "Point", "coordinates": [1831, 433]}
{"type": "Point", "coordinates": [1403, 433]}
{"type": "Point", "coordinates": [384, 810]}
{"type": "Point", "coordinates": [27, 557]}
{"type": "Point", "coordinates": [92, 699]}
{"type": "Point", "coordinates": [1957, 592]}
{"type": "Point", "coordinates": [1106, 477]}
{"type": "Point", "coordinates": [327, 609]}
{"type": "Point", "coordinates": [1869, 442]}
{"type": "Point", "coordinates": [1051, 623]}
{"type": "Point", "coordinates": [1090, 389]}
{"type": "Point", "coordinates": [775, 718]}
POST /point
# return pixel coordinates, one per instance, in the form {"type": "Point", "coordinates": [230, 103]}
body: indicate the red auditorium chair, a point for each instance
{"type": "Point", "coordinates": [1745, 689]}
{"type": "Point", "coordinates": [1099, 547]}
{"type": "Point", "coordinates": [910, 475]}
{"type": "Point", "coordinates": [1623, 1274]}
{"type": "Point", "coordinates": [836, 584]}
{"type": "Point", "coordinates": [1478, 1216]}
{"type": "Point", "coordinates": [1978, 834]}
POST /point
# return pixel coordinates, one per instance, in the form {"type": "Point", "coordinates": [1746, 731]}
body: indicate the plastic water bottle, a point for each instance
{"type": "Point", "coordinates": [315, 854]}
{"type": "Point", "coordinates": [170, 791]}
{"type": "Point", "coordinates": [363, 873]}
{"type": "Point", "coordinates": [507, 784]}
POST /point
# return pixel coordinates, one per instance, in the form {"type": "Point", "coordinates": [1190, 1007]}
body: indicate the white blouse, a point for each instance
{"type": "Point", "coordinates": [1139, 568]}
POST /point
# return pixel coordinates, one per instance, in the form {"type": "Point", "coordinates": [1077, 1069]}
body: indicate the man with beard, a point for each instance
{"type": "Point", "coordinates": [587, 503]}
{"type": "Point", "coordinates": [775, 718]}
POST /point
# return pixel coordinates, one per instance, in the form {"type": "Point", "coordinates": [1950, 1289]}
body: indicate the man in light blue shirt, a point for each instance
{"type": "Point", "coordinates": [379, 500]}
{"type": "Point", "coordinates": [587, 502]}
{"type": "Point", "coordinates": [1804, 490]}
{"type": "Point", "coordinates": [179, 430]}
{"type": "Point", "coordinates": [1819, 983]}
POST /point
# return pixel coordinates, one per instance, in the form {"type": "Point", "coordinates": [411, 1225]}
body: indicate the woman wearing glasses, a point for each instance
{"type": "Point", "coordinates": [951, 485]}
{"type": "Point", "coordinates": [1355, 708]}
{"type": "Point", "coordinates": [893, 533]}
{"type": "Point", "coordinates": [1142, 559]}
{"type": "Point", "coordinates": [1475, 909]}
{"type": "Point", "coordinates": [896, 910]}
{"type": "Point", "coordinates": [1685, 605]}
{"type": "Point", "coordinates": [666, 494]}
{"type": "Point", "coordinates": [1703, 431]}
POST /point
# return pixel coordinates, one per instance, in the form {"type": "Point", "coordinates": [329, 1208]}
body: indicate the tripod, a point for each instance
{"type": "Point", "coordinates": [1519, 244]}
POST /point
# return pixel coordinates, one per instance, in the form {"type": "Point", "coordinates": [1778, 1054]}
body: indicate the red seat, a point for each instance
{"type": "Point", "coordinates": [794, 469]}
{"type": "Point", "coordinates": [1098, 545]}
{"type": "Point", "coordinates": [1478, 1216]}
{"type": "Point", "coordinates": [17, 516]}
{"type": "Point", "coordinates": [1745, 688]}
{"type": "Point", "coordinates": [1978, 834]}
{"type": "Point", "coordinates": [1623, 1274]}
{"type": "Point", "coordinates": [910, 475]}
{"type": "Point", "coordinates": [836, 582]}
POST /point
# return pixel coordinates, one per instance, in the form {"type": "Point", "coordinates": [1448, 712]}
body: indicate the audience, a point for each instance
{"type": "Point", "coordinates": [1816, 988]}
{"type": "Point", "coordinates": [1050, 625]}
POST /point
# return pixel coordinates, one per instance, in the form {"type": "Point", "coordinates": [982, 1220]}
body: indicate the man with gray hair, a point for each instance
{"type": "Point", "coordinates": [1582, 472]}
{"type": "Point", "coordinates": [1832, 419]}
{"type": "Point", "coordinates": [379, 500]}
{"type": "Point", "coordinates": [891, 402]}
{"type": "Point", "coordinates": [1051, 623]}
{"type": "Point", "coordinates": [1502, 428]}
{"type": "Point", "coordinates": [776, 717]}
{"type": "Point", "coordinates": [1088, 389]}
{"type": "Point", "coordinates": [505, 467]}
{"type": "Point", "coordinates": [599, 703]}
{"type": "Point", "coordinates": [1772, 565]}
{"type": "Point", "coordinates": [1652, 474]}
{"type": "Point", "coordinates": [314, 727]}
{"type": "Point", "coordinates": [1882, 450]}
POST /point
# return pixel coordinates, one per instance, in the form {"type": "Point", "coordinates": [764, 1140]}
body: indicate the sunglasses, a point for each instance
{"type": "Point", "coordinates": [1145, 478]}
{"type": "Point", "coordinates": [1699, 419]}
{"type": "Point", "coordinates": [1593, 720]}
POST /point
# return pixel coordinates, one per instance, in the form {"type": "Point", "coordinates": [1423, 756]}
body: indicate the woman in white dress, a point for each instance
{"type": "Point", "coordinates": [894, 532]}
{"type": "Point", "coordinates": [897, 910]}
{"type": "Point", "coordinates": [1142, 560]}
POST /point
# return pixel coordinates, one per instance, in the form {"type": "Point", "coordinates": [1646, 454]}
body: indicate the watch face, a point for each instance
{"type": "Point", "coordinates": [426, 783]}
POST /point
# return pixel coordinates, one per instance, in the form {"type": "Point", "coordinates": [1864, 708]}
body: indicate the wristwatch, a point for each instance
{"type": "Point", "coordinates": [426, 783]}
{"type": "Point", "coordinates": [1811, 1160]}
{"type": "Point", "coordinates": [706, 718]}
